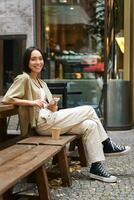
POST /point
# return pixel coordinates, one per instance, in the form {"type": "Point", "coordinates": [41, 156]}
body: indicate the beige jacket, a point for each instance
{"type": "Point", "coordinates": [23, 87]}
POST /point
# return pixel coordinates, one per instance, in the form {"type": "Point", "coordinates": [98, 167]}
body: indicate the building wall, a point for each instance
{"type": "Point", "coordinates": [16, 17]}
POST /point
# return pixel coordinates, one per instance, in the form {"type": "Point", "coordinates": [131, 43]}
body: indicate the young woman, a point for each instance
{"type": "Point", "coordinates": [39, 109]}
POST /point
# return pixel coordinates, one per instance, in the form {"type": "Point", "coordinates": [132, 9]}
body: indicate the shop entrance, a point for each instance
{"type": "Point", "coordinates": [11, 50]}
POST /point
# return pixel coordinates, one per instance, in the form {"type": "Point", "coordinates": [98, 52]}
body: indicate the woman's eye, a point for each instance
{"type": "Point", "coordinates": [36, 59]}
{"type": "Point", "coordinates": [33, 59]}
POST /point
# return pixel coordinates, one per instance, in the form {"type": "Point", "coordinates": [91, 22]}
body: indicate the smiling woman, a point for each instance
{"type": "Point", "coordinates": [39, 110]}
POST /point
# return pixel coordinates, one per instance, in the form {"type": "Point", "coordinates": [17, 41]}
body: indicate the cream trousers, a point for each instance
{"type": "Point", "coordinates": [79, 120]}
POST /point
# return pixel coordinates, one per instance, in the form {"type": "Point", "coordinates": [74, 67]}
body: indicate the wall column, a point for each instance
{"type": "Point", "coordinates": [132, 54]}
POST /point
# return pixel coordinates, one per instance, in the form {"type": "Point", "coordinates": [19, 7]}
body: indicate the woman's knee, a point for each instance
{"type": "Point", "coordinates": [90, 124]}
{"type": "Point", "coordinates": [88, 108]}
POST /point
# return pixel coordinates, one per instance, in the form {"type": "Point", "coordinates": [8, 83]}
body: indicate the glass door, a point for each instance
{"type": "Point", "coordinates": [73, 42]}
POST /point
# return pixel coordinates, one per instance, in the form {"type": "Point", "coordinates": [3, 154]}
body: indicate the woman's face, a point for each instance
{"type": "Point", "coordinates": [36, 62]}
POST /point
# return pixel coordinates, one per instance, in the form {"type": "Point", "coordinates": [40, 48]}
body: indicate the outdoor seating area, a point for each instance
{"type": "Point", "coordinates": [25, 158]}
{"type": "Point", "coordinates": [66, 100]}
{"type": "Point", "coordinates": [21, 157]}
{"type": "Point", "coordinates": [29, 155]}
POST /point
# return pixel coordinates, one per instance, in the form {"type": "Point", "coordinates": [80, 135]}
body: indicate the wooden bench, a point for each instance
{"type": "Point", "coordinates": [19, 161]}
{"type": "Point", "coordinates": [29, 156]}
{"type": "Point", "coordinates": [63, 141]}
{"type": "Point", "coordinates": [32, 161]}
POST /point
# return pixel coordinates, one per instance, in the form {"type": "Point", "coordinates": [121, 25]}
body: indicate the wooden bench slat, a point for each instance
{"type": "Point", "coordinates": [47, 140]}
{"type": "Point", "coordinates": [13, 151]}
{"type": "Point", "coordinates": [14, 170]}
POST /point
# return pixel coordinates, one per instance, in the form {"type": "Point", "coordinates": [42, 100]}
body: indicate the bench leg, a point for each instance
{"type": "Point", "coordinates": [72, 145]}
{"type": "Point", "coordinates": [42, 182]}
{"type": "Point", "coordinates": [64, 167]}
{"type": "Point", "coordinates": [82, 152]}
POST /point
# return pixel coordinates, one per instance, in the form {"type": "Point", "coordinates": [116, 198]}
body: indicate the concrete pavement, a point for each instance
{"type": "Point", "coordinates": [83, 188]}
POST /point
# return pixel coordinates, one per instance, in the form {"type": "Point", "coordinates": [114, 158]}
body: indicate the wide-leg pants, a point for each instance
{"type": "Point", "coordinates": [79, 120]}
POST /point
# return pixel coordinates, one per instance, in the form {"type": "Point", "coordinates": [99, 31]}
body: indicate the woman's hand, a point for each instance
{"type": "Point", "coordinates": [52, 106]}
{"type": "Point", "coordinates": [40, 103]}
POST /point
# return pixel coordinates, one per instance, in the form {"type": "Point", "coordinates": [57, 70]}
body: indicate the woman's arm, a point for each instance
{"type": "Point", "coordinates": [19, 90]}
{"type": "Point", "coordinates": [21, 102]}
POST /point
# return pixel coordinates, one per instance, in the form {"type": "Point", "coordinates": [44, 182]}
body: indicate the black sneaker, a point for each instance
{"type": "Point", "coordinates": [98, 172]}
{"type": "Point", "coordinates": [112, 149]}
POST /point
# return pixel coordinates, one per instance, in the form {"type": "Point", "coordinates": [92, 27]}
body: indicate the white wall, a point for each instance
{"type": "Point", "coordinates": [16, 17]}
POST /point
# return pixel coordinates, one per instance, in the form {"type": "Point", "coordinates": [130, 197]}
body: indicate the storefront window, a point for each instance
{"type": "Point", "coordinates": [73, 32]}
{"type": "Point", "coordinates": [73, 40]}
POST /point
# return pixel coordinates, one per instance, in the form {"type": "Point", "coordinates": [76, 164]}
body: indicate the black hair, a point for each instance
{"type": "Point", "coordinates": [27, 56]}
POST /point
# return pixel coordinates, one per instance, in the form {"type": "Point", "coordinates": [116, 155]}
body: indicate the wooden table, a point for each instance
{"type": "Point", "coordinates": [5, 111]}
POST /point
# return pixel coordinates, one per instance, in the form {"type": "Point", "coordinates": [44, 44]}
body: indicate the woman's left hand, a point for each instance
{"type": "Point", "coordinates": [52, 105]}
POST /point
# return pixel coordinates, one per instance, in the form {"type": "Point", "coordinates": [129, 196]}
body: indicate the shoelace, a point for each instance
{"type": "Point", "coordinates": [116, 146]}
{"type": "Point", "coordinates": [103, 171]}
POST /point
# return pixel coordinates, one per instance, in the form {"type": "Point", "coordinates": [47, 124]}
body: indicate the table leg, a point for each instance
{"type": "Point", "coordinates": [3, 129]}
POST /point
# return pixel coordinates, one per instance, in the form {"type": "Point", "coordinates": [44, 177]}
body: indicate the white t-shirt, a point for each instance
{"type": "Point", "coordinates": [44, 112]}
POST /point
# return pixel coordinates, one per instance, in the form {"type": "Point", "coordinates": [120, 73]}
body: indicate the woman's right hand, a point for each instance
{"type": "Point", "coordinates": [40, 103]}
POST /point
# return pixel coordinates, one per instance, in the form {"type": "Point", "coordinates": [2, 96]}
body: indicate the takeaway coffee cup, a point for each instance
{"type": "Point", "coordinates": [55, 133]}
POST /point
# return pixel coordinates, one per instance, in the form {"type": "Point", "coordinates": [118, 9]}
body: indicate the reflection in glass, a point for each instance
{"type": "Point", "coordinates": [73, 32]}
{"type": "Point", "coordinates": [74, 37]}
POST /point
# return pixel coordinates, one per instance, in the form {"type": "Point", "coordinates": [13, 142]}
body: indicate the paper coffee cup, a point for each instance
{"type": "Point", "coordinates": [55, 133]}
